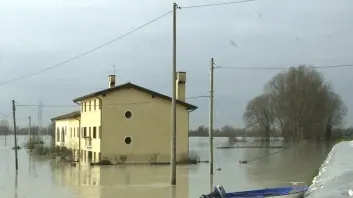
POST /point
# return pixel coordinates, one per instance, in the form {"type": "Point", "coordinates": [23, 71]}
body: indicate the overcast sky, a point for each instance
{"type": "Point", "coordinates": [263, 33]}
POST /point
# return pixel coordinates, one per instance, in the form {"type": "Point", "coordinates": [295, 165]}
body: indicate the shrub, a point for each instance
{"type": "Point", "coordinates": [123, 159]}
{"type": "Point", "coordinates": [104, 162]}
{"type": "Point", "coordinates": [154, 157]}
{"type": "Point", "coordinates": [192, 158]}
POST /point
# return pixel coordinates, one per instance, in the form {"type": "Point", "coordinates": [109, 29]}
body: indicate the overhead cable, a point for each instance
{"type": "Point", "coordinates": [85, 53]}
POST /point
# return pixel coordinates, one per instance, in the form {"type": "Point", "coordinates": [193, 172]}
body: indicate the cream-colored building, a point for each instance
{"type": "Point", "coordinates": [126, 123]}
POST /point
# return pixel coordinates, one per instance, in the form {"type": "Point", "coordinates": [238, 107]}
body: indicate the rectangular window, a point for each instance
{"type": "Point", "coordinates": [89, 131]}
{"type": "Point", "coordinates": [82, 105]}
{"type": "Point", "coordinates": [100, 132]}
{"type": "Point", "coordinates": [84, 131]}
{"type": "Point", "coordinates": [94, 104]}
{"type": "Point", "coordinates": [85, 106]}
{"type": "Point", "coordinates": [70, 131]}
{"type": "Point", "coordinates": [58, 134]}
{"type": "Point", "coordinates": [94, 132]}
{"type": "Point", "coordinates": [62, 135]}
{"type": "Point", "coordinates": [78, 132]}
{"type": "Point", "coordinates": [89, 106]}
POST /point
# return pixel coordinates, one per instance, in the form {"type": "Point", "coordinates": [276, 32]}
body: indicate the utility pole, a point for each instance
{"type": "Point", "coordinates": [15, 131]}
{"type": "Point", "coordinates": [173, 143]}
{"type": "Point", "coordinates": [211, 117]}
{"type": "Point", "coordinates": [30, 130]}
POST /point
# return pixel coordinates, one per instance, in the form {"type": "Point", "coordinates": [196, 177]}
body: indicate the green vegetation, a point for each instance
{"type": "Point", "coordinates": [31, 144]}
{"type": "Point", "coordinates": [342, 139]}
{"type": "Point", "coordinates": [38, 148]}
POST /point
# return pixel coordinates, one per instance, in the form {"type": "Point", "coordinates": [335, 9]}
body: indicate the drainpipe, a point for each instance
{"type": "Point", "coordinates": [189, 111]}
{"type": "Point", "coordinates": [79, 136]}
{"type": "Point", "coordinates": [79, 139]}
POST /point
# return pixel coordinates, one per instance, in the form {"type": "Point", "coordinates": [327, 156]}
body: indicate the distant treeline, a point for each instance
{"type": "Point", "coordinates": [229, 131]}
{"type": "Point", "coordinates": [226, 131]}
{"type": "Point", "coordinates": [5, 129]}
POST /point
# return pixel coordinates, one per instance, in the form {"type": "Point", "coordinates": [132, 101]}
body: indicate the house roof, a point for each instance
{"type": "Point", "coordinates": [68, 116]}
{"type": "Point", "coordinates": [130, 85]}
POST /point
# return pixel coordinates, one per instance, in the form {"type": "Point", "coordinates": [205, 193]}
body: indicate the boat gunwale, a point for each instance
{"type": "Point", "coordinates": [302, 189]}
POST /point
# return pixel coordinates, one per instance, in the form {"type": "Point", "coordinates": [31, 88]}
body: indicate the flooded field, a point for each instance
{"type": "Point", "coordinates": [40, 177]}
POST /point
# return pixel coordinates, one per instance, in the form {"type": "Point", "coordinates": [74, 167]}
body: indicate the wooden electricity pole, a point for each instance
{"type": "Point", "coordinates": [173, 142]}
{"type": "Point", "coordinates": [211, 117]}
{"type": "Point", "coordinates": [15, 131]}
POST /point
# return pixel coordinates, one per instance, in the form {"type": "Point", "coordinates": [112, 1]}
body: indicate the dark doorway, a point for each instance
{"type": "Point", "coordinates": [89, 157]}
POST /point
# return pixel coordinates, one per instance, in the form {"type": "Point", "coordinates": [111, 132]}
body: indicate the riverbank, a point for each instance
{"type": "Point", "coordinates": [335, 176]}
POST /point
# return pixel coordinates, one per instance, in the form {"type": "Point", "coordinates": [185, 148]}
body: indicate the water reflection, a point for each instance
{"type": "Point", "coordinates": [296, 164]}
{"type": "Point", "coordinates": [53, 179]}
{"type": "Point", "coordinates": [16, 184]}
{"type": "Point", "coordinates": [122, 181]}
{"type": "Point", "coordinates": [211, 183]}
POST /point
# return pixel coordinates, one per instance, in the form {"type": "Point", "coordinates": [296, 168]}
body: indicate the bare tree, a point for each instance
{"type": "Point", "coordinates": [259, 115]}
{"type": "Point", "coordinates": [299, 103]}
{"type": "Point", "coordinates": [336, 112]}
{"type": "Point", "coordinates": [4, 127]}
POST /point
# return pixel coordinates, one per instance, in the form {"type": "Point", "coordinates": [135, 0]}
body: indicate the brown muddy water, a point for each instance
{"type": "Point", "coordinates": [40, 177]}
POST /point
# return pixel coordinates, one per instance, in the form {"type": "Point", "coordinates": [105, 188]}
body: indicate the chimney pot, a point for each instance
{"type": "Point", "coordinates": [180, 83]}
{"type": "Point", "coordinates": [111, 79]}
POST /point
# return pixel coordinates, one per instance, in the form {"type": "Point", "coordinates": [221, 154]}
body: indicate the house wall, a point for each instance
{"type": "Point", "coordinates": [69, 128]}
{"type": "Point", "coordinates": [149, 127]}
{"type": "Point", "coordinates": [90, 121]}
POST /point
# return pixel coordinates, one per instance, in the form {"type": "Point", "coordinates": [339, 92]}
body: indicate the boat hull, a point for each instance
{"type": "Point", "coordinates": [294, 195]}
{"type": "Point", "coordinates": [281, 192]}
{"type": "Point", "coordinates": [285, 192]}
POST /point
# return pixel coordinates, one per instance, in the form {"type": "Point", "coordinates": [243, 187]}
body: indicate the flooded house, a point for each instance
{"type": "Point", "coordinates": [126, 123]}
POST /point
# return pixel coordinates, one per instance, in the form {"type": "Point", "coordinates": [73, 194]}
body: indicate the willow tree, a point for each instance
{"type": "Point", "coordinates": [259, 116]}
{"type": "Point", "coordinates": [336, 111]}
{"type": "Point", "coordinates": [300, 103]}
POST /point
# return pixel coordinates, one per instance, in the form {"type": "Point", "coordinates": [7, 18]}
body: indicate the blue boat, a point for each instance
{"type": "Point", "coordinates": [281, 192]}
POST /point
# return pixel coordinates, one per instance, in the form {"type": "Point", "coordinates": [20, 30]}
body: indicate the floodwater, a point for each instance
{"type": "Point", "coordinates": [40, 177]}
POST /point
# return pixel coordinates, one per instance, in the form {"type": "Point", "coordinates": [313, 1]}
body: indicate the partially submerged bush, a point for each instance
{"type": "Point", "coordinates": [62, 152]}
{"type": "Point", "coordinates": [192, 158]}
{"type": "Point", "coordinates": [122, 159]}
{"type": "Point", "coordinates": [104, 162]}
{"type": "Point", "coordinates": [32, 143]}
{"type": "Point", "coordinates": [41, 150]}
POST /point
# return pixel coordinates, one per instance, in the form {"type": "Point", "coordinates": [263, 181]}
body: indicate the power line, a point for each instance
{"type": "Point", "coordinates": [114, 104]}
{"type": "Point", "coordinates": [264, 156]}
{"type": "Point", "coordinates": [282, 68]}
{"type": "Point", "coordinates": [87, 52]}
{"type": "Point", "coordinates": [216, 4]}
{"type": "Point", "coordinates": [6, 116]}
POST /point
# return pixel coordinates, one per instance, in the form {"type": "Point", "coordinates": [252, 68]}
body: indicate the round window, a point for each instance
{"type": "Point", "coordinates": [128, 140]}
{"type": "Point", "coordinates": [128, 114]}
